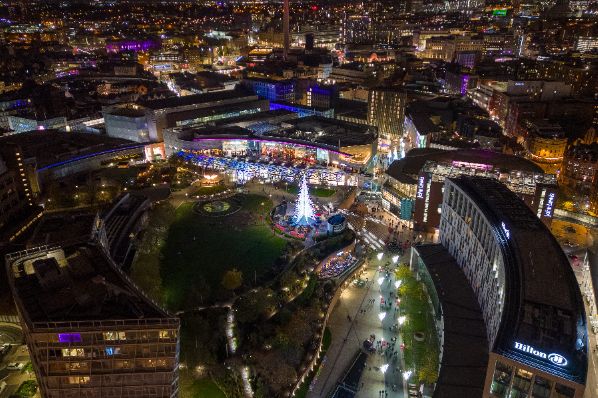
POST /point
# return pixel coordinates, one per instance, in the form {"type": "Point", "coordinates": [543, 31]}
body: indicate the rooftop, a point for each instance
{"type": "Point", "coordinates": [62, 227]}
{"type": "Point", "coordinates": [329, 131]}
{"type": "Point", "coordinates": [50, 146]}
{"type": "Point", "coordinates": [543, 304]}
{"type": "Point", "coordinates": [75, 283]}
{"type": "Point", "coordinates": [464, 329]}
{"type": "Point", "coordinates": [413, 163]}
{"type": "Point", "coordinates": [188, 100]}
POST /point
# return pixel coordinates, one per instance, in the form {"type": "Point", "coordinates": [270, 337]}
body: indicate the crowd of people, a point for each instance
{"type": "Point", "coordinates": [336, 265]}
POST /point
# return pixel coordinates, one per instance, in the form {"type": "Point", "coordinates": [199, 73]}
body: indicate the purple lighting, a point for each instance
{"type": "Point", "coordinates": [132, 45]}
{"type": "Point", "coordinates": [69, 337]}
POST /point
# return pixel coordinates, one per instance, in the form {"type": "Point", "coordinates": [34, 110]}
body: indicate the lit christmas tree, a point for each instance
{"type": "Point", "coordinates": [304, 208]}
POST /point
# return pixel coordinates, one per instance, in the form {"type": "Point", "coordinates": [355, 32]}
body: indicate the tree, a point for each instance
{"type": "Point", "coordinates": [403, 272]}
{"type": "Point", "coordinates": [428, 373]}
{"type": "Point", "coordinates": [232, 279]}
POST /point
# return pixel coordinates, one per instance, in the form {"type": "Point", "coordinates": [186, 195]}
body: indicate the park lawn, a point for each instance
{"type": "Point", "coordinates": [320, 192]}
{"type": "Point", "coordinates": [198, 251]}
{"type": "Point", "coordinates": [211, 190]}
{"type": "Point", "coordinates": [199, 388]}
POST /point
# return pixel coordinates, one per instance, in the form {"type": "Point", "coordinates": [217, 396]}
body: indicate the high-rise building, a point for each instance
{"type": "Point", "coordinates": [534, 337]}
{"type": "Point", "coordinates": [90, 331]}
{"type": "Point", "coordinates": [386, 111]}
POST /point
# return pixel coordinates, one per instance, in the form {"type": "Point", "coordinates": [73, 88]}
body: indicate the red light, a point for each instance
{"type": "Point", "coordinates": [314, 8]}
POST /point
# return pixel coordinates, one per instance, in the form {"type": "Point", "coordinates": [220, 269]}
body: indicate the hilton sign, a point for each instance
{"type": "Point", "coordinates": [556, 359]}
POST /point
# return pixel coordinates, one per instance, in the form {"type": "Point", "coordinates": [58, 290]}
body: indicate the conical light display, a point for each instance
{"type": "Point", "coordinates": [304, 208]}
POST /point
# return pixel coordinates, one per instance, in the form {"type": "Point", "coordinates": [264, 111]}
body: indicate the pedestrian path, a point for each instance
{"type": "Point", "coordinates": [357, 317]}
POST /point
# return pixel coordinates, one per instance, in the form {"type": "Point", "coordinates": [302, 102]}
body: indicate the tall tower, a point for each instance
{"type": "Point", "coordinates": [285, 28]}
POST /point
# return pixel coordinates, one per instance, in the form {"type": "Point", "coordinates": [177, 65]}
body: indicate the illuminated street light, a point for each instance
{"type": "Point", "coordinates": [380, 280]}
{"type": "Point", "coordinates": [383, 368]}
{"type": "Point", "coordinates": [397, 284]}
{"type": "Point", "coordinates": [379, 256]}
{"type": "Point", "coordinates": [395, 259]}
{"type": "Point", "coordinates": [407, 374]}
{"type": "Point", "coordinates": [402, 319]}
{"type": "Point", "coordinates": [382, 315]}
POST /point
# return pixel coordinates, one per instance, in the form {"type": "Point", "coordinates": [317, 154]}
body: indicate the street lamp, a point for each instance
{"type": "Point", "coordinates": [379, 256]}
{"type": "Point", "coordinates": [395, 259]}
{"type": "Point", "coordinates": [402, 319]}
{"type": "Point", "coordinates": [380, 280]}
{"type": "Point", "coordinates": [383, 368]}
{"type": "Point", "coordinates": [407, 374]}
{"type": "Point", "coordinates": [382, 315]}
{"type": "Point", "coordinates": [397, 284]}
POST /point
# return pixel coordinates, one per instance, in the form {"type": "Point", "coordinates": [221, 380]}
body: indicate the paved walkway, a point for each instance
{"type": "Point", "coordinates": [355, 318]}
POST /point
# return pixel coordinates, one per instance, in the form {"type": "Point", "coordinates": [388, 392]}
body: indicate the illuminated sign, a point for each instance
{"type": "Point", "coordinates": [500, 12]}
{"type": "Point", "coordinates": [556, 359]}
{"type": "Point", "coordinates": [421, 186]}
{"type": "Point", "coordinates": [505, 229]}
{"type": "Point", "coordinates": [549, 205]}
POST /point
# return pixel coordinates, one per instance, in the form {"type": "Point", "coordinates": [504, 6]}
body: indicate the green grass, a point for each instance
{"type": "Point", "coordinates": [304, 388]}
{"type": "Point", "coordinates": [320, 192]}
{"type": "Point", "coordinates": [414, 304]}
{"type": "Point", "coordinates": [27, 389]}
{"type": "Point", "coordinates": [200, 388]}
{"type": "Point", "coordinates": [211, 190]}
{"type": "Point", "coordinates": [198, 250]}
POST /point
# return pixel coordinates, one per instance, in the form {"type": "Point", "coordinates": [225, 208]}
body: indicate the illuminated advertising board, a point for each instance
{"type": "Point", "coordinates": [421, 187]}
{"type": "Point", "coordinates": [499, 12]}
{"type": "Point", "coordinates": [555, 358]}
{"type": "Point", "coordinates": [549, 204]}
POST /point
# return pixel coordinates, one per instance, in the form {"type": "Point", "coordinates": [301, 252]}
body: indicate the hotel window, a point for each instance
{"type": "Point", "coordinates": [501, 379]}
{"type": "Point", "coordinates": [166, 334]}
{"type": "Point", "coordinates": [562, 391]}
{"type": "Point", "coordinates": [522, 382]}
{"type": "Point", "coordinates": [542, 387]}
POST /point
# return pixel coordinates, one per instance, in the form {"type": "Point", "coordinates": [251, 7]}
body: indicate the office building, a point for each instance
{"type": "Point", "coordinates": [90, 331]}
{"type": "Point", "coordinates": [270, 89]}
{"type": "Point", "coordinates": [386, 111]}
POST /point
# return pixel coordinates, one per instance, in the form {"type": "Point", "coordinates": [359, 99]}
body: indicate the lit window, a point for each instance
{"type": "Point", "coordinates": [73, 352]}
{"type": "Point", "coordinates": [165, 334]}
{"type": "Point", "coordinates": [78, 379]}
{"type": "Point", "coordinates": [115, 336]}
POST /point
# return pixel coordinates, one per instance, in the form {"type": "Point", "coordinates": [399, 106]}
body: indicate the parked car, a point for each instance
{"type": "Point", "coordinates": [15, 366]}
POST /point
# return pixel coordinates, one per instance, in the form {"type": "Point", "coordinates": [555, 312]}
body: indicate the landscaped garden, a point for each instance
{"type": "Point", "coordinates": [27, 389]}
{"type": "Point", "coordinates": [223, 251]}
{"type": "Point", "coordinates": [185, 254]}
{"type": "Point", "coordinates": [418, 330]}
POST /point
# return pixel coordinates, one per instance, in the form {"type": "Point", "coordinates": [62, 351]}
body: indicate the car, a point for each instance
{"type": "Point", "coordinates": [15, 366]}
